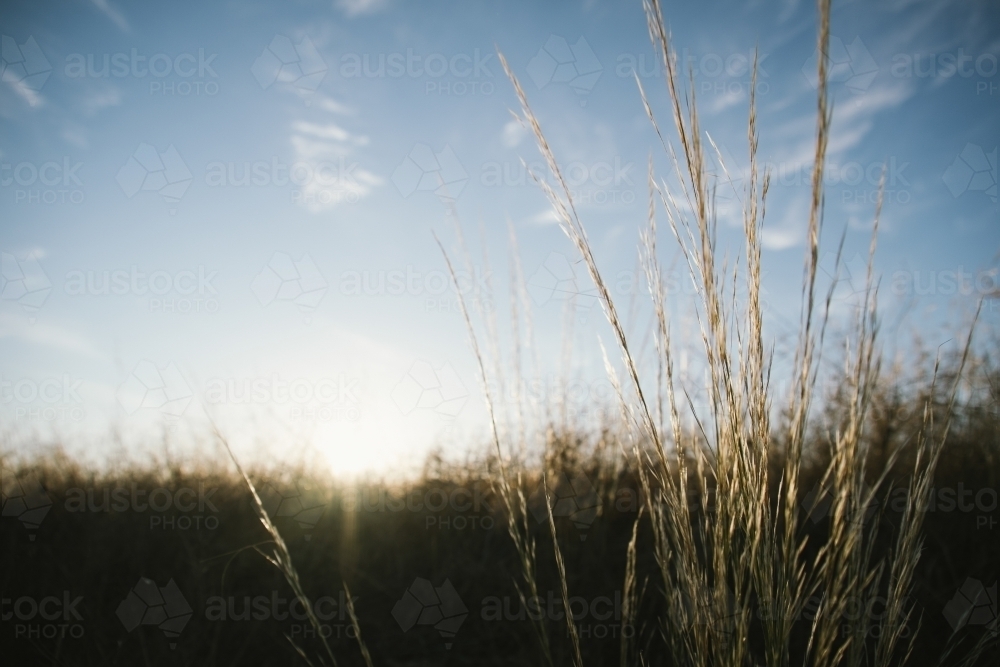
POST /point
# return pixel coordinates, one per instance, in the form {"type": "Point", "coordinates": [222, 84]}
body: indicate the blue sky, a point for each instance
{"type": "Point", "coordinates": [230, 207]}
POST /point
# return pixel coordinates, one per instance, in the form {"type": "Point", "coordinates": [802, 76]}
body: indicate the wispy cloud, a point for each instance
{"type": "Point", "coordinates": [13, 326]}
{"type": "Point", "coordinates": [791, 229]}
{"type": "Point", "coordinates": [853, 119]}
{"type": "Point", "coordinates": [546, 217]}
{"type": "Point", "coordinates": [328, 131]}
{"type": "Point", "coordinates": [113, 14]}
{"type": "Point", "coordinates": [33, 98]}
{"type": "Point", "coordinates": [358, 7]}
{"type": "Point", "coordinates": [333, 106]}
{"type": "Point", "coordinates": [513, 133]}
{"type": "Point", "coordinates": [788, 9]}
{"type": "Point", "coordinates": [730, 98]}
{"type": "Point", "coordinates": [95, 100]}
{"type": "Point", "coordinates": [76, 136]}
{"type": "Point", "coordinates": [336, 177]}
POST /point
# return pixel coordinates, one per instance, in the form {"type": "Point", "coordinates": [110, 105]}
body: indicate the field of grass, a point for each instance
{"type": "Point", "coordinates": [99, 536]}
{"type": "Point", "coordinates": [849, 518]}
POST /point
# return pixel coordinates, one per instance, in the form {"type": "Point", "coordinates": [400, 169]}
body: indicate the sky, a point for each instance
{"type": "Point", "coordinates": [228, 211]}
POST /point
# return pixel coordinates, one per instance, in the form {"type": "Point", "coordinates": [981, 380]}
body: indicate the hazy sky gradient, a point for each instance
{"type": "Point", "coordinates": [265, 179]}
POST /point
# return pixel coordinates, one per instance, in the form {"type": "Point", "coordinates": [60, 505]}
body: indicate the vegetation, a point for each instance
{"type": "Point", "coordinates": [850, 520]}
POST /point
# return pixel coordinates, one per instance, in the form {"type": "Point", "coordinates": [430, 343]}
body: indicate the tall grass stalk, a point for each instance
{"type": "Point", "coordinates": [748, 548]}
{"type": "Point", "coordinates": [281, 558]}
{"type": "Point", "coordinates": [512, 495]}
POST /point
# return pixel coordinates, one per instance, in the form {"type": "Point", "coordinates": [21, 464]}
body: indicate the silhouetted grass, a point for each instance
{"type": "Point", "coordinates": [370, 539]}
{"type": "Point", "coordinates": [850, 520]}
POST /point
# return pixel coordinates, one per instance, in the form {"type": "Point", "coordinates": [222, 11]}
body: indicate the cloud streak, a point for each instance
{"type": "Point", "coordinates": [113, 15]}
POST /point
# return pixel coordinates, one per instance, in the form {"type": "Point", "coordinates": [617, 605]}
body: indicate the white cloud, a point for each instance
{"type": "Point", "coordinates": [113, 14]}
{"type": "Point", "coordinates": [96, 100]}
{"type": "Point", "coordinates": [780, 238]}
{"type": "Point", "coordinates": [546, 217]}
{"type": "Point", "coordinates": [337, 178]}
{"type": "Point", "coordinates": [333, 106]}
{"type": "Point", "coordinates": [852, 121]}
{"type": "Point", "coordinates": [791, 230]}
{"type": "Point", "coordinates": [513, 133]}
{"type": "Point", "coordinates": [45, 335]}
{"type": "Point", "coordinates": [328, 131]}
{"type": "Point", "coordinates": [730, 98]}
{"type": "Point", "coordinates": [32, 97]}
{"type": "Point", "coordinates": [358, 7]}
{"type": "Point", "coordinates": [788, 9]}
{"type": "Point", "coordinates": [76, 136]}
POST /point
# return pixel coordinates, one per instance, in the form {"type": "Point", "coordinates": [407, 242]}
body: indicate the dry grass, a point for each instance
{"type": "Point", "coordinates": [379, 551]}
{"type": "Point", "coordinates": [719, 564]}
{"type": "Point", "coordinates": [749, 549]}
